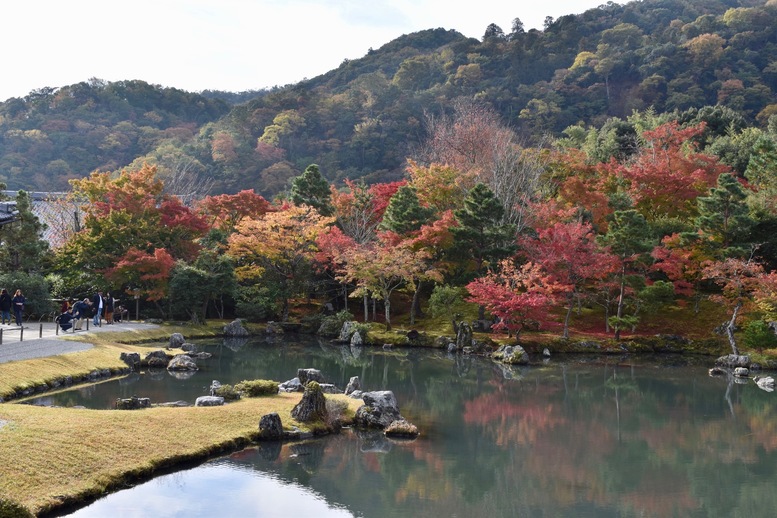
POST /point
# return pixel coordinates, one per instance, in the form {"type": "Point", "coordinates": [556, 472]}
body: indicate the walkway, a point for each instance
{"type": "Point", "coordinates": [38, 340]}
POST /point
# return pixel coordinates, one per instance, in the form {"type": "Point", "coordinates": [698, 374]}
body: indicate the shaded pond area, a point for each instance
{"type": "Point", "coordinates": [575, 436]}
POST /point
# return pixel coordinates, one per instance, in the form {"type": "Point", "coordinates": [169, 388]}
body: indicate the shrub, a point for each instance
{"type": "Point", "coordinates": [758, 335]}
{"type": "Point", "coordinates": [228, 392]}
{"type": "Point", "coordinates": [332, 324]}
{"type": "Point", "coordinates": [257, 388]}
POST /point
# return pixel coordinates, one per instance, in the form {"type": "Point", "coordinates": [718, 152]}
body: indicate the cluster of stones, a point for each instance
{"type": "Point", "coordinates": [380, 409]}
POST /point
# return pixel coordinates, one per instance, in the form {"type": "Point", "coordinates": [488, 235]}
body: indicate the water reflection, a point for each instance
{"type": "Point", "coordinates": [573, 437]}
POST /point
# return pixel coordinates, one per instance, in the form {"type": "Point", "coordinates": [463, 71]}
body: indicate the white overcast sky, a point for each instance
{"type": "Point", "coordinates": [231, 45]}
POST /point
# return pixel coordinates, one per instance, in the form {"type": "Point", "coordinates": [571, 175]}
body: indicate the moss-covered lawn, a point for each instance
{"type": "Point", "coordinates": [50, 457]}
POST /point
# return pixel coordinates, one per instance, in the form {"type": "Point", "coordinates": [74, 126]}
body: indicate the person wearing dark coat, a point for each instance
{"type": "Point", "coordinates": [5, 306]}
{"type": "Point", "coordinates": [97, 307]}
{"type": "Point", "coordinates": [65, 320]}
{"type": "Point", "coordinates": [80, 312]}
{"type": "Point", "coordinates": [18, 306]}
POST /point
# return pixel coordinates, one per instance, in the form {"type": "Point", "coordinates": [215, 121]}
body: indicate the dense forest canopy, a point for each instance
{"type": "Point", "coordinates": [582, 178]}
{"type": "Point", "coordinates": [363, 119]}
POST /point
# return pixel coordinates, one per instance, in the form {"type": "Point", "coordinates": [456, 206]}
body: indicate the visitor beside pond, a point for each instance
{"type": "Point", "coordinates": [97, 307]}
{"type": "Point", "coordinates": [5, 306]}
{"type": "Point", "coordinates": [18, 306]}
{"type": "Point", "coordinates": [80, 312]}
{"type": "Point", "coordinates": [109, 302]}
{"type": "Point", "coordinates": [65, 320]}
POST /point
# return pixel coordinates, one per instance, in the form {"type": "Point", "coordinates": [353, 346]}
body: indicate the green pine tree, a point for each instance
{"type": "Point", "coordinates": [311, 188]}
{"type": "Point", "coordinates": [404, 213]}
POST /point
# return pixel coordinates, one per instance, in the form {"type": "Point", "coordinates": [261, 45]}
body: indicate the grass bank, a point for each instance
{"type": "Point", "coordinates": [59, 457]}
{"type": "Point", "coordinates": [54, 457]}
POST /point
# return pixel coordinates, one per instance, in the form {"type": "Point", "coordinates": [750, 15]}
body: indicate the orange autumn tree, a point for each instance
{"type": "Point", "coordinates": [278, 248]}
{"type": "Point", "coordinates": [226, 210]}
{"type": "Point", "coordinates": [126, 213]}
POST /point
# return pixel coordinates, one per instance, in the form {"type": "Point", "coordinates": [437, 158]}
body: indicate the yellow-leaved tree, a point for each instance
{"type": "Point", "coordinates": [278, 248]}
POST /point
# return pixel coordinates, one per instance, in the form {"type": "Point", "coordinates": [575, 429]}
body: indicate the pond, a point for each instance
{"type": "Point", "coordinates": [575, 436]}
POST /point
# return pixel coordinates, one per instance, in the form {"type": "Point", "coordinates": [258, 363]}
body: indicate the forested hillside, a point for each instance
{"type": "Point", "coordinates": [365, 118]}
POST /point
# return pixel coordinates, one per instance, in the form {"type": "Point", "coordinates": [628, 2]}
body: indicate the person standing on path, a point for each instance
{"type": "Point", "coordinates": [109, 302]}
{"type": "Point", "coordinates": [18, 306]}
{"type": "Point", "coordinates": [97, 306]}
{"type": "Point", "coordinates": [5, 306]}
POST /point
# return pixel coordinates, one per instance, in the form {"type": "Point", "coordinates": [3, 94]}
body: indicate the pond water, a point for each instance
{"type": "Point", "coordinates": [576, 436]}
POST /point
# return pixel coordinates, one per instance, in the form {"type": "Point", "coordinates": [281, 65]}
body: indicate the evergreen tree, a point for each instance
{"type": "Point", "coordinates": [404, 213]}
{"type": "Point", "coordinates": [22, 247]}
{"type": "Point", "coordinates": [629, 237]}
{"type": "Point", "coordinates": [480, 234]}
{"type": "Point", "coordinates": [311, 188]}
{"type": "Point", "coordinates": [481, 238]}
{"type": "Point", "coordinates": [724, 218]}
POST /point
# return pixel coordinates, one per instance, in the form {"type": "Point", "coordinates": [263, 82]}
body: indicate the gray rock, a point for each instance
{"type": "Point", "coordinates": [209, 401]}
{"type": "Point", "coordinates": [293, 385]}
{"type": "Point", "coordinates": [329, 388]}
{"type": "Point", "coordinates": [307, 375]}
{"type": "Point", "coordinates": [546, 352]}
{"type": "Point", "coordinates": [741, 372]}
{"type": "Point", "coordinates": [464, 336]}
{"type": "Point", "coordinates": [214, 386]}
{"type": "Point", "coordinates": [157, 359]}
{"type": "Point", "coordinates": [356, 394]}
{"type": "Point", "coordinates": [235, 328]}
{"type": "Point", "coordinates": [176, 340]}
{"type": "Point", "coordinates": [348, 329]}
{"type": "Point", "coordinates": [270, 426]}
{"type": "Point", "coordinates": [353, 384]}
{"type": "Point", "coordinates": [733, 360]}
{"type": "Point", "coordinates": [182, 362]}
{"type": "Point", "coordinates": [312, 407]}
{"type": "Point", "coordinates": [131, 359]}
{"type": "Point", "coordinates": [356, 339]}
{"type": "Point", "coordinates": [133, 403]}
{"type": "Point", "coordinates": [511, 355]}
{"type": "Point", "coordinates": [188, 347]}
{"type": "Point", "coordinates": [380, 409]}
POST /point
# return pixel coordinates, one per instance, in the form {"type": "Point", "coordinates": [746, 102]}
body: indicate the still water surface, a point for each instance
{"type": "Point", "coordinates": [576, 436]}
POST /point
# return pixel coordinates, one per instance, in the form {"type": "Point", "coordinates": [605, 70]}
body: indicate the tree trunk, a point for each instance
{"type": "Point", "coordinates": [620, 301]}
{"type": "Point", "coordinates": [730, 329]}
{"type": "Point", "coordinates": [565, 334]}
{"type": "Point", "coordinates": [366, 308]}
{"type": "Point", "coordinates": [387, 307]}
{"type": "Point", "coordinates": [415, 307]}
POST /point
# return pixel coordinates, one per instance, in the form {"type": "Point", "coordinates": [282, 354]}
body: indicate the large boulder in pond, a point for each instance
{"type": "Point", "coordinates": [511, 355]}
{"type": "Point", "coordinates": [464, 336]}
{"type": "Point", "coordinates": [182, 362]}
{"type": "Point", "coordinates": [347, 331]}
{"type": "Point", "coordinates": [270, 426]}
{"type": "Point", "coordinates": [312, 407]}
{"type": "Point", "coordinates": [380, 409]}
{"type": "Point", "coordinates": [732, 361]}
{"type": "Point", "coordinates": [235, 328]}
{"type": "Point", "coordinates": [176, 340]}
{"type": "Point", "coordinates": [131, 359]}
{"type": "Point", "coordinates": [157, 359]}
{"type": "Point", "coordinates": [307, 375]}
